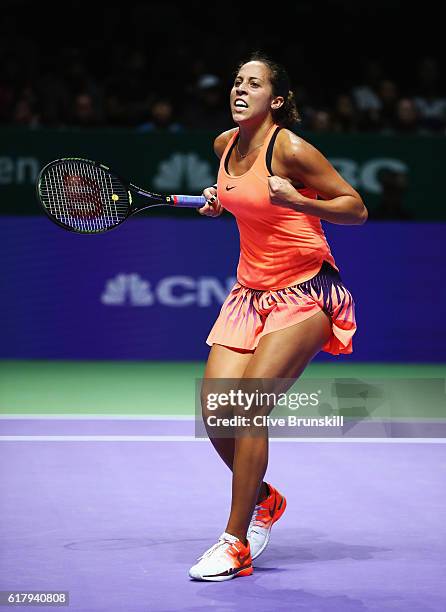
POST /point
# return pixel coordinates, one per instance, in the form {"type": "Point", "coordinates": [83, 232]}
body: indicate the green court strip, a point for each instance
{"type": "Point", "coordinates": [143, 388]}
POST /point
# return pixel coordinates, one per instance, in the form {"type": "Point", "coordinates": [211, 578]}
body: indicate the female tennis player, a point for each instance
{"type": "Point", "coordinates": [289, 301]}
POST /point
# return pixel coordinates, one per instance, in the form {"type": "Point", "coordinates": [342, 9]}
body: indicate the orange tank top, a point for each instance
{"type": "Point", "coordinates": [279, 247]}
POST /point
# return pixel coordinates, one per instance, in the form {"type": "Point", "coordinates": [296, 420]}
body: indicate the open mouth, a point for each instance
{"type": "Point", "coordinates": [239, 103]}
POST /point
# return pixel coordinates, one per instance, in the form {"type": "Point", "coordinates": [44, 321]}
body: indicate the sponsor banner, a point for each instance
{"type": "Point", "coordinates": [152, 288]}
{"type": "Point", "coordinates": [399, 173]}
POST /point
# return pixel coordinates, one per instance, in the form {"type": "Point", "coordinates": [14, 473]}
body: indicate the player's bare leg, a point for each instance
{"type": "Point", "coordinates": [281, 354]}
{"type": "Point", "coordinates": [228, 363]}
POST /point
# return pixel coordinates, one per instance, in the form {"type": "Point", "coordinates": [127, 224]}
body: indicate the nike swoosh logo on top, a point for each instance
{"type": "Point", "coordinates": [273, 511]}
{"type": "Point", "coordinates": [229, 188]}
{"type": "Point", "coordinates": [243, 559]}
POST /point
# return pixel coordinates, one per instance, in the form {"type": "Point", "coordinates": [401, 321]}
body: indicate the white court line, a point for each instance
{"type": "Point", "coordinates": [161, 417]}
{"type": "Point", "coordinates": [97, 417]}
{"type": "Point", "coordinates": [193, 439]}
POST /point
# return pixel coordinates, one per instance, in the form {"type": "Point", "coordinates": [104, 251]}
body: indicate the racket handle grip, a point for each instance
{"type": "Point", "coordinates": [189, 201]}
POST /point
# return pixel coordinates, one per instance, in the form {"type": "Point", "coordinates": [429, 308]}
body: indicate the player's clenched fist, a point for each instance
{"type": "Point", "coordinates": [282, 192]}
{"type": "Point", "coordinates": [212, 208]}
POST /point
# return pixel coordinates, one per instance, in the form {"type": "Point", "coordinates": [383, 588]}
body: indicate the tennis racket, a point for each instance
{"type": "Point", "coordinates": [87, 197]}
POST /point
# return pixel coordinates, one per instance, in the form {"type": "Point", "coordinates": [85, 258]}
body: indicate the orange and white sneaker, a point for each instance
{"type": "Point", "coordinates": [227, 559]}
{"type": "Point", "coordinates": [263, 518]}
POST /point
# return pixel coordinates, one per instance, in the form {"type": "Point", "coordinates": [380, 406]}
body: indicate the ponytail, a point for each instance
{"type": "Point", "coordinates": [287, 115]}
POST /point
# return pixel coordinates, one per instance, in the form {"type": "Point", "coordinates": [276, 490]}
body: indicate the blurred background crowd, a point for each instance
{"type": "Point", "coordinates": [123, 68]}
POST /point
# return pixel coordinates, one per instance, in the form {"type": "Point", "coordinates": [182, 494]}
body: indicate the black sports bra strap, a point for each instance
{"type": "Point", "coordinates": [269, 151]}
{"type": "Point", "coordinates": [228, 155]}
{"type": "Point", "coordinates": [269, 157]}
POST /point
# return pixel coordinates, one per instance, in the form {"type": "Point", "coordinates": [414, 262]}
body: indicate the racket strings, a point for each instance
{"type": "Point", "coordinates": [84, 196]}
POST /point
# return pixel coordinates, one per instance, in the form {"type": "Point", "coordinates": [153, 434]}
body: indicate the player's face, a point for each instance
{"type": "Point", "coordinates": [251, 95]}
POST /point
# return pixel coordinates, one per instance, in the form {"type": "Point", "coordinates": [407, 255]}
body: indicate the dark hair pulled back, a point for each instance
{"type": "Point", "coordinates": [287, 115]}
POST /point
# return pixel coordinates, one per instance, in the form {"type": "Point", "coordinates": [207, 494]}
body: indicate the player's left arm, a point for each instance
{"type": "Point", "coordinates": [297, 161]}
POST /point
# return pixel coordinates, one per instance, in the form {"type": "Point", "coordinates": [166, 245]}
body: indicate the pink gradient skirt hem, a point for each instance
{"type": "Point", "coordinates": [249, 314]}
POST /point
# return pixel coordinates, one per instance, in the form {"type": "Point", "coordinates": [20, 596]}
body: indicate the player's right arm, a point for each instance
{"type": "Point", "coordinates": [212, 208]}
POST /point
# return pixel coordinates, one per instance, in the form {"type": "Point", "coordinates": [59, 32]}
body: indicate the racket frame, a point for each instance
{"type": "Point", "coordinates": [156, 199]}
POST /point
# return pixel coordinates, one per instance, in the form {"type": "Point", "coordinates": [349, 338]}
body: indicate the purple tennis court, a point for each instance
{"type": "Point", "coordinates": [118, 523]}
{"type": "Point", "coordinates": [324, 226]}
